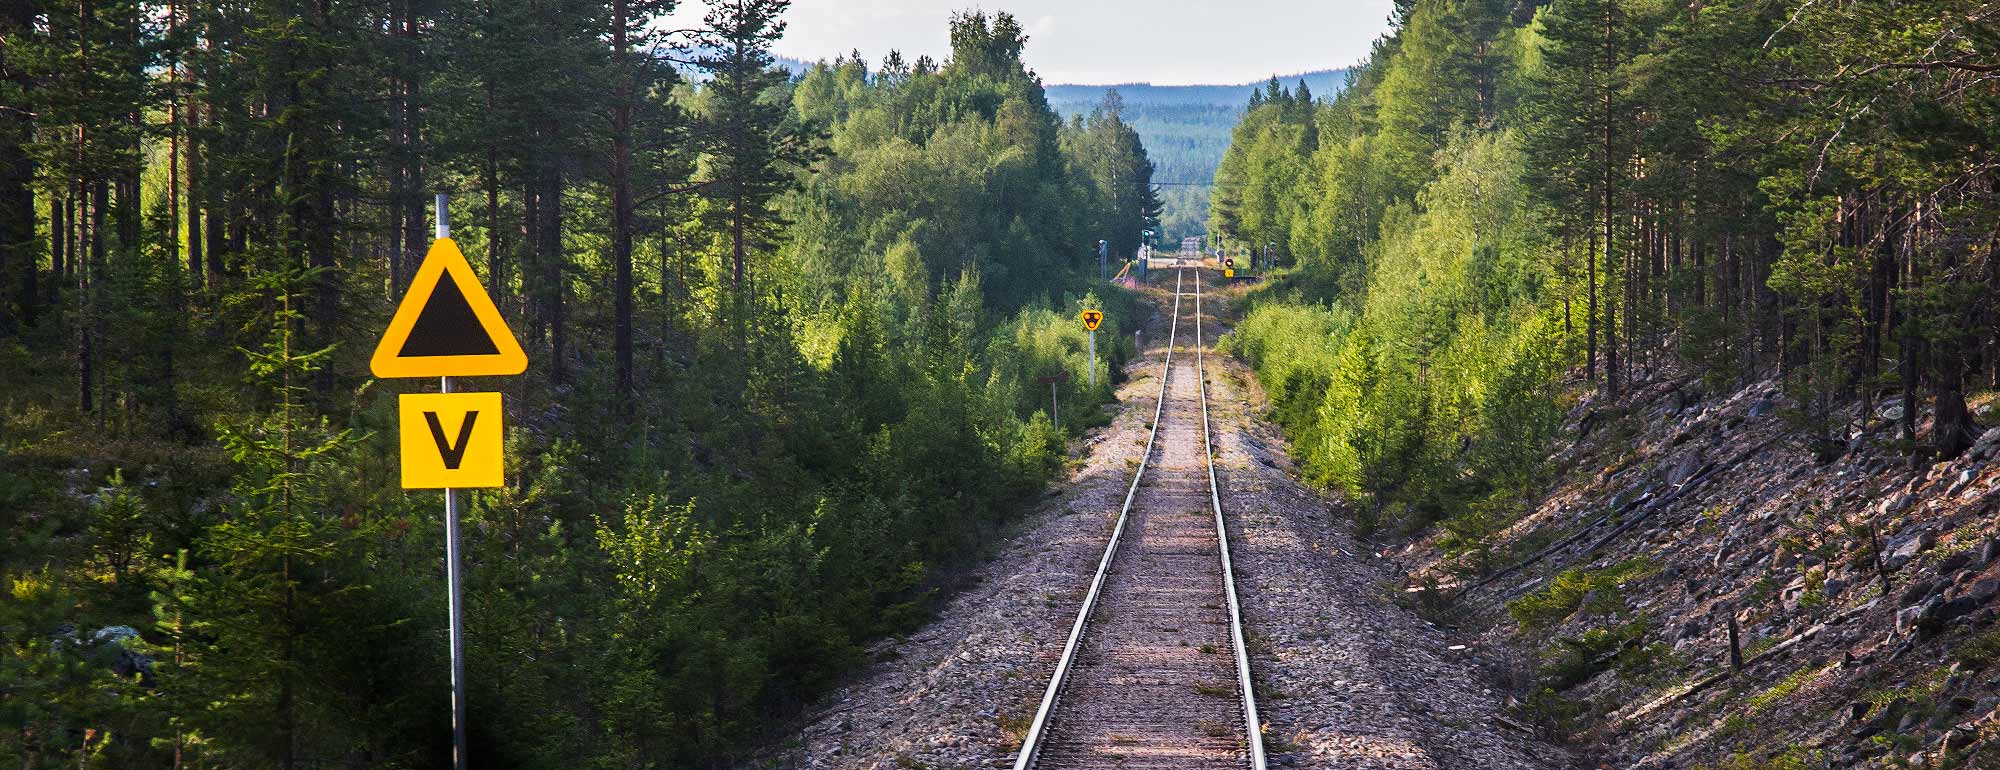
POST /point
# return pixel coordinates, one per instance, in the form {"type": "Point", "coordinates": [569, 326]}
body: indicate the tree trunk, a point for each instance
{"type": "Point", "coordinates": [19, 247]}
{"type": "Point", "coordinates": [59, 220]}
{"type": "Point", "coordinates": [1590, 312]}
{"type": "Point", "coordinates": [621, 201]}
{"type": "Point", "coordinates": [553, 278]}
{"type": "Point", "coordinates": [197, 271]}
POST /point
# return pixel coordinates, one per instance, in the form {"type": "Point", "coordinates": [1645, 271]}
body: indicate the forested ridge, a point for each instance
{"type": "Point", "coordinates": [1514, 206]}
{"type": "Point", "coordinates": [784, 334]}
{"type": "Point", "coordinates": [1186, 130]}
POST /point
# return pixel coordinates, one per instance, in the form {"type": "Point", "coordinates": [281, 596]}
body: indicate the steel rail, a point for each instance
{"type": "Point", "coordinates": [1032, 744]}
{"type": "Point", "coordinates": [1250, 720]}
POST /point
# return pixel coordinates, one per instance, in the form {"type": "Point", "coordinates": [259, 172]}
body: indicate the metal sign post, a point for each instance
{"type": "Point", "coordinates": [454, 587]}
{"type": "Point", "coordinates": [1093, 358]}
{"type": "Point", "coordinates": [1054, 417]}
{"type": "Point", "coordinates": [446, 326]}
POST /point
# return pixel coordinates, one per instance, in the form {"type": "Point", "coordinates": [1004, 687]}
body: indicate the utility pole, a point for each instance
{"type": "Point", "coordinates": [454, 585]}
{"type": "Point", "coordinates": [1103, 260]}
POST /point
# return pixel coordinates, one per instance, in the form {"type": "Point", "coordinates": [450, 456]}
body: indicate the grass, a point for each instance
{"type": "Point", "coordinates": [1015, 726]}
{"type": "Point", "coordinates": [1978, 651]}
{"type": "Point", "coordinates": [1782, 689]}
{"type": "Point", "coordinates": [1213, 690]}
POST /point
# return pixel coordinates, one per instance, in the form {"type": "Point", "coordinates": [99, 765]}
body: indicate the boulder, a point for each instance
{"type": "Point", "coordinates": [1916, 591]}
{"type": "Point", "coordinates": [1922, 620]}
{"type": "Point", "coordinates": [1685, 469]}
{"type": "Point", "coordinates": [1987, 441]}
{"type": "Point", "coordinates": [1901, 550]}
{"type": "Point", "coordinates": [1982, 591]}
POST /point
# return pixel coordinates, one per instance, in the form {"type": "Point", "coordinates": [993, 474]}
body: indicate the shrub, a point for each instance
{"type": "Point", "coordinates": [1573, 589]}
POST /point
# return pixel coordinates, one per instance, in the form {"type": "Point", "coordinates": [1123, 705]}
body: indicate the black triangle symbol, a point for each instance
{"type": "Point", "coordinates": [447, 326]}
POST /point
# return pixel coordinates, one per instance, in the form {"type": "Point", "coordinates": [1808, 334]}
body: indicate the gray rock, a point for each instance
{"type": "Point", "coordinates": [1916, 591]}
{"type": "Point", "coordinates": [1964, 479]}
{"type": "Point", "coordinates": [1762, 407]}
{"type": "Point", "coordinates": [1903, 549]}
{"type": "Point", "coordinates": [1923, 620]}
{"type": "Point", "coordinates": [1990, 551]}
{"type": "Point", "coordinates": [1982, 591]}
{"type": "Point", "coordinates": [1685, 469]}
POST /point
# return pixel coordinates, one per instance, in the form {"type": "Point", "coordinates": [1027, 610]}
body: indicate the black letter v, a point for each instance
{"type": "Point", "coordinates": [452, 455]}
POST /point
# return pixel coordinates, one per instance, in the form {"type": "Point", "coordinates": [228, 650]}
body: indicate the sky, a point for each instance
{"type": "Point", "coordinates": [1165, 42]}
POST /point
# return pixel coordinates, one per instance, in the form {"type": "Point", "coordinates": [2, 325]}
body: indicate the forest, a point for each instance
{"type": "Point", "coordinates": [1515, 207]}
{"type": "Point", "coordinates": [784, 332]}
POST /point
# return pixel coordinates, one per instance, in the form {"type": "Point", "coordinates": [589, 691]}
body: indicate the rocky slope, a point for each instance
{"type": "Point", "coordinates": [1700, 589]}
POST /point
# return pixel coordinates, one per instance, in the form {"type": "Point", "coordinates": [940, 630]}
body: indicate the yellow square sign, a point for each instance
{"type": "Point", "coordinates": [451, 440]}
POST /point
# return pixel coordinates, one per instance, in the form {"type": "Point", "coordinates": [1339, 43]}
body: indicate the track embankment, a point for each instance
{"type": "Point", "coordinates": [1344, 677]}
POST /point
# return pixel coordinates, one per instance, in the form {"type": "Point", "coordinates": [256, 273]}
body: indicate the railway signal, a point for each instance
{"type": "Point", "coordinates": [445, 327]}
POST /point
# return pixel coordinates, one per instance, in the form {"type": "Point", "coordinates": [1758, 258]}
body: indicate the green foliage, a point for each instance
{"type": "Point", "coordinates": [1570, 661]}
{"type": "Point", "coordinates": [813, 433]}
{"type": "Point", "coordinates": [1509, 207]}
{"type": "Point", "coordinates": [1434, 395]}
{"type": "Point", "coordinates": [1794, 759]}
{"type": "Point", "coordinates": [1593, 591]}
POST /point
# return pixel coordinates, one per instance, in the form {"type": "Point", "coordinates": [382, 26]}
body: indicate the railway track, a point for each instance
{"type": "Point", "coordinates": [1154, 673]}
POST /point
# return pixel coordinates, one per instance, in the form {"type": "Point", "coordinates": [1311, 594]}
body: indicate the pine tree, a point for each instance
{"type": "Point", "coordinates": [753, 152]}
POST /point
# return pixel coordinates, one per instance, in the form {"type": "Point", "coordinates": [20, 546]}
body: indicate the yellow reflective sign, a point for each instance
{"type": "Point", "coordinates": [447, 326]}
{"type": "Point", "coordinates": [1228, 273]}
{"type": "Point", "coordinates": [1092, 319]}
{"type": "Point", "coordinates": [451, 440]}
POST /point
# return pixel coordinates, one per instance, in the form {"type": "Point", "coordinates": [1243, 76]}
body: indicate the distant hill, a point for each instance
{"type": "Point", "coordinates": [1322, 82]}
{"type": "Point", "coordinates": [1186, 130]}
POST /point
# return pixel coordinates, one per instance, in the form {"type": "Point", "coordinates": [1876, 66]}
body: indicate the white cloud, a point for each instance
{"type": "Point", "coordinates": [1104, 41]}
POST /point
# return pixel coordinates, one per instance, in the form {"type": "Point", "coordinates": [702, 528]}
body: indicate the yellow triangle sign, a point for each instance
{"type": "Point", "coordinates": [446, 325]}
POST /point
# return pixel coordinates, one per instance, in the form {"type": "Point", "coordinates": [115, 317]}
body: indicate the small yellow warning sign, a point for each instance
{"type": "Point", "coordinates": [451, 440]}
{"type": "Point", "coordinates": [446, 325]}
{"type": "Point", "coordinates": [1228, 273]}
{"type": "Point", "coordinates": [1092, 319]}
